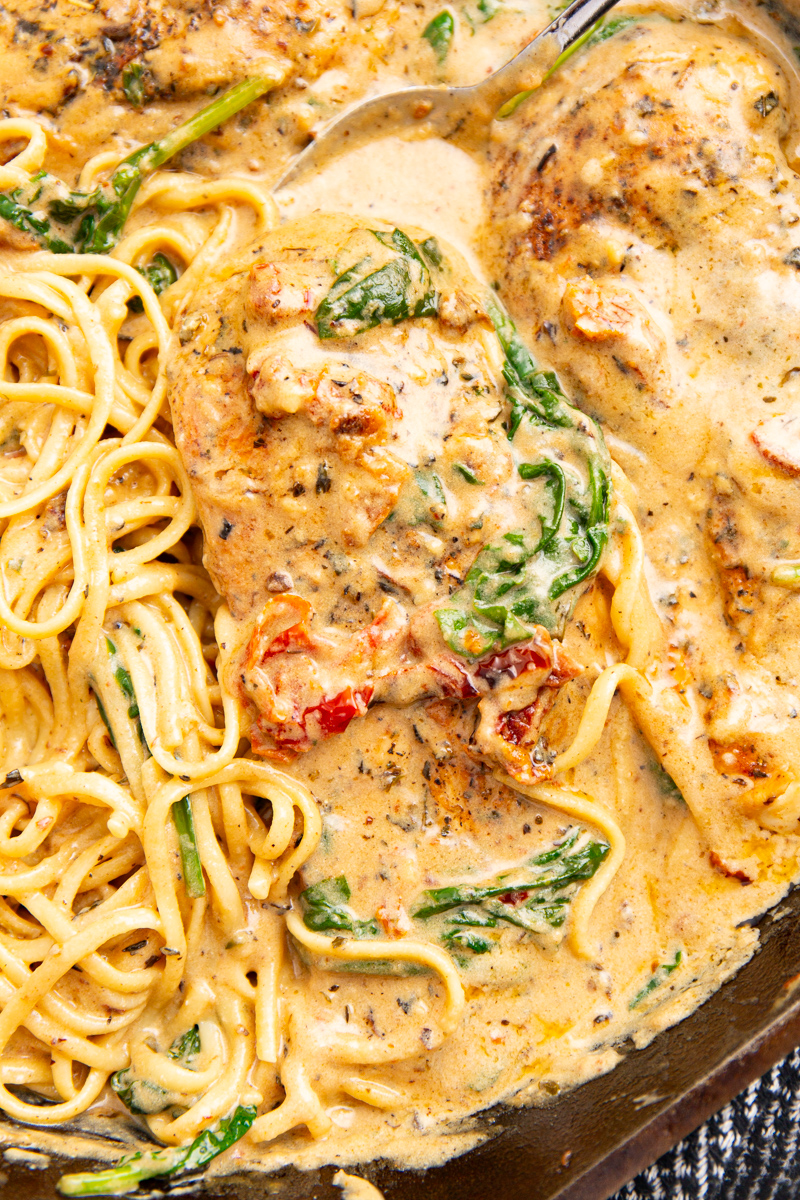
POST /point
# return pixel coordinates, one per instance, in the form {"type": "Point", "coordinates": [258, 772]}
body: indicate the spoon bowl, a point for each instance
{"type": "Point", "coordinates": [461, 115]}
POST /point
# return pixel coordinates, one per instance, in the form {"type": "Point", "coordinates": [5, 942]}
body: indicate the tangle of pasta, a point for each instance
{"type": "Point", "coordinates": [94, 499]}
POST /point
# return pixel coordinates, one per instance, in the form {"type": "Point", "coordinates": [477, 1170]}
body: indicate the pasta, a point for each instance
{"type": "Point", "coordinates": [116, 603]}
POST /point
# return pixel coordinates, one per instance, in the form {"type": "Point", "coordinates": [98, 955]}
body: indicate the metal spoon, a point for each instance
{"type": "Point", "coordinates": [462, 115]}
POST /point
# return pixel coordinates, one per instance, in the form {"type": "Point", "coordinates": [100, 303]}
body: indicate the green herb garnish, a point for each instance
{"type": "Point", "coordinates": [133, 1169]}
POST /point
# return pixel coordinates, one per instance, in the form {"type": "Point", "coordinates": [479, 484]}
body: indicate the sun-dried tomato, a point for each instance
{"type": "Point", "coordinates": [515, 660]}
{"type": "Point", "coordinates": [335, 713]}
{"type": "Point", "coordinates": [513, 726]}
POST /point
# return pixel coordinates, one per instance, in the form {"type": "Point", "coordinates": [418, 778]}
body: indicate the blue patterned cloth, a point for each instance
{"type": "Point", "coordinates": [750, 1150]}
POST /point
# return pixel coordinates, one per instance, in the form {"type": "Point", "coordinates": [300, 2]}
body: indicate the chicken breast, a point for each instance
{"type": "Point", "coordinates": [339, 403]}
{"type": "Point", "coordinates": [647, 234]}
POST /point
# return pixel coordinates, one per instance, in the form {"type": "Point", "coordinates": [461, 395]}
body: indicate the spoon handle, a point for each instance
{"type": "Point", "coordinates": [532, 64]}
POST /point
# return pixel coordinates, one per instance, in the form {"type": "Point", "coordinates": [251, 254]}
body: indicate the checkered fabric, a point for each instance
{"type": "Point", "coordinates": [748, 1151]}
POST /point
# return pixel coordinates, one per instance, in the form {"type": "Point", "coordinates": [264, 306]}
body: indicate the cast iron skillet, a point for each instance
{"type": "Point", "coordinates": [589, 1143]}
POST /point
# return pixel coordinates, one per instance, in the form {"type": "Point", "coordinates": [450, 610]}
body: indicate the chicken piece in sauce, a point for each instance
{"type": "Point", "coordinates": [646, 223]}
{"type": "Point", "coordinates": [338, 402]}
{"type": "Point", "coordinates": [128, 70]}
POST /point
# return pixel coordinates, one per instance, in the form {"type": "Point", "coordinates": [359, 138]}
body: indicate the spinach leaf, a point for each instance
{"type": "Point", "coordinates": [607, 29]}
{"type": "Point", "coordinates": [104, 716]}
{"type": "Point", "coordinates": [15, 208]}
{"type": "Point", "coordinates": [558, 851]}
{"type": "Point", "coordinates": [432, 489]}
{"type": "Point", "coordinates": [489, 9]}
{"type": "Point", "coordinates": [474, 918]}
{"type": "Point", "coordinates": [325, 909]}
{"type": "Point", "coordinates": [379, 289]}
{"type": "Point", "coordinates": [133, 1169]}
{"type": "Point", "coordinates": [599, 32]}
{"type": "Point", "coordinates": [191, 867]}
{"type": "Point", "coordinates": [569, 869]}
{"type": "Point", "coordinates": [144, 1096]}
{"type": "Point", "coordinates": [423, 501]}
{"type": "Point", "coordinates": [534, 914]}
{"type": "Point", "coordinates": [667, 785]}
{"type": "Point", "coordinates": [70, 222]}
{"type": "Point", "coordinates": [528, 390]}
{"type": "Point", "coordinates": [518, 582]}
{"type": "Point", "coordinates": [432, 252]}
{"type": "Point", "coordinates": [125, 683]}
{"type": "Point", "coordinates": [137, 84]}
{"type": "Point", "coordinates": [465, 940]}
{"type": "Point", "coordinates": [324, 906]}
{"type": "Point", "coordinates": [470, 476]}
{"type": "Point", "coordinates": [533, 896]}
{"type": "Point", "coordinates": [138, 1095]}
{"type": "Point", "coordinates": [186, 1048]}
{"type": "Point", "coordinates": [159, 273]}
{"type": "Point", "coordinates": [556, 480]}
{"type": "Point", "coordinates": [656, 979]}
{"type": "Point", "coordinates": [439, 34]}
{"type": "Point", "coordinates": [209, 1143]}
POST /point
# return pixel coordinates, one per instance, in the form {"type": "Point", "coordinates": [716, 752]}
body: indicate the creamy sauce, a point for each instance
{"type": "Point", "coordinates": [639, 218]}
{"type": "Point", "coordinates": [429, 183]}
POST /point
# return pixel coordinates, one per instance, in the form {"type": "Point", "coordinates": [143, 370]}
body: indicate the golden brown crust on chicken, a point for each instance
{"type": "Point", "coordinates": [668, 142]}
